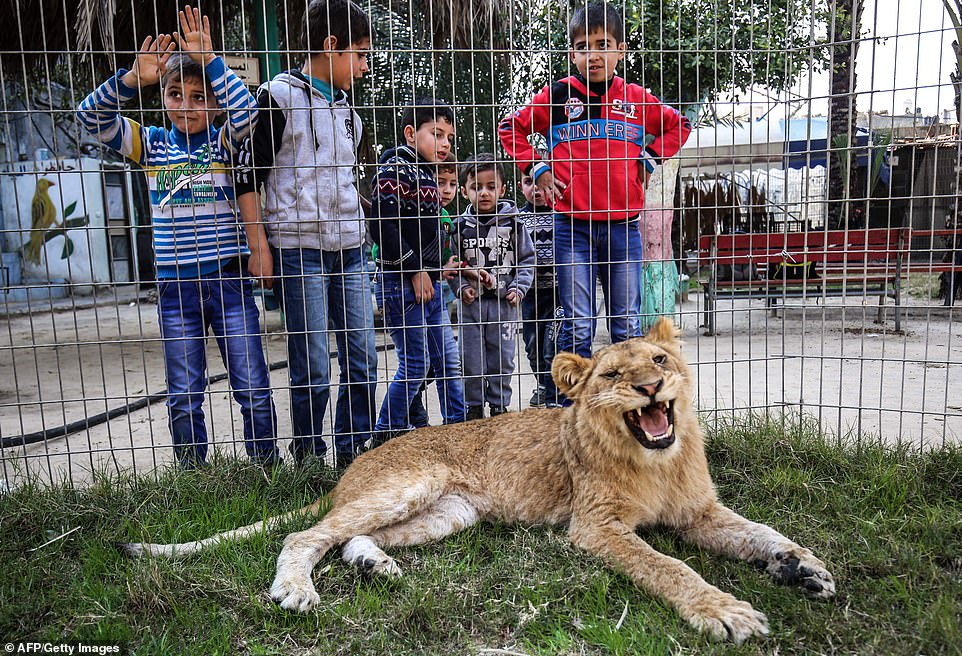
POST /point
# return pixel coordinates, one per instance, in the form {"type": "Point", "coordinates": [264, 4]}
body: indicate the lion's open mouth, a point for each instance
{"type": "Point", "coordinates": [654, 426]}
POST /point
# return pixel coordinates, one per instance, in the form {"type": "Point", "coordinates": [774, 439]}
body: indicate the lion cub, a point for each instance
{"type": "Point", "coordinates": [628, 453]}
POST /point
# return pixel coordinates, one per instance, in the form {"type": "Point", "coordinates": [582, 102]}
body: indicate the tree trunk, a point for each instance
{"type": "Point", "coordinates": [841, 123]}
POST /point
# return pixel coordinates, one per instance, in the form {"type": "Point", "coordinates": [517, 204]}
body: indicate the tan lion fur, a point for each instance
{"type": "Point", "coordinates": [579, 466]}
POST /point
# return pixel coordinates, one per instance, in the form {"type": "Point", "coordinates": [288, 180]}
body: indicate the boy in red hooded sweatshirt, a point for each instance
{"type": "Point", "coordinates": [605, 137]}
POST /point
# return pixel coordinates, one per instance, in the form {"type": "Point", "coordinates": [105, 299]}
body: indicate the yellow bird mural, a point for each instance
{"type": "Point", "coordinates": [43, 214]}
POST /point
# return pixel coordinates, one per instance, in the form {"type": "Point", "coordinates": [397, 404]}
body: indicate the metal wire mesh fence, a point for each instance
{"type": "Point", "coordinates": [390, 214]}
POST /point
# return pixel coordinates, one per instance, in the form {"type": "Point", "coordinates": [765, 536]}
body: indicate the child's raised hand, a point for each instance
{"type": "Point", "coordinates": [550, 187]}
{"type": "Point", "coordinates": [194, 40]}
{"type": "Point", "coordinates": [151, 61]}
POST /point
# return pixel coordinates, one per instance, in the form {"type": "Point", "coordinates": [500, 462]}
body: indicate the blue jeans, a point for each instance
{"type": "Point", "coordinates": [610, 251]}
{"type": "Point", "coordinates": [323, 291]}
{"type": "Point", "coordinates": [187, 309]}
{"type": "Point", "coordinates": [422, 334]}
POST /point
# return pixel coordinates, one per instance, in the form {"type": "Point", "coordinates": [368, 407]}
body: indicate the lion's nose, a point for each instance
{"type": "Point", "coordinates": [650, 389]}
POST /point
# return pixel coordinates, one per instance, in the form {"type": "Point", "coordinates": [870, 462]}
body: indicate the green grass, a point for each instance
{"type": "Point", "coordinates": [923, 285]}
{"type": "Point", "coordinates": [888, 522]}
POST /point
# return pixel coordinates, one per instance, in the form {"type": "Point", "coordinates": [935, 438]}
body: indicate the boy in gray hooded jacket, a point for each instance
{"type": "Point", "coordinates": [489, 237]}
{"type": "Point", "coordinates": [303, 153]}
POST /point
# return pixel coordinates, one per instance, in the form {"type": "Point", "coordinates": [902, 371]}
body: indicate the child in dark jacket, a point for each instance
{"type": "Point", "coordinates": [540, 312]}
{"type": "Point", "coordinates": [490, 238]}
{"type": "Point", "coordinates": [406, 205]}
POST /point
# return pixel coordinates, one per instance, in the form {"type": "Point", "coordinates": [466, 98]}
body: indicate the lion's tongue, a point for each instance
{"type": "Point", "coordinates": [653, 421]}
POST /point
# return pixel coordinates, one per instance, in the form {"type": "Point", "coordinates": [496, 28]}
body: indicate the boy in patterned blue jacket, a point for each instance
{"type": "Point", "coordinates": [198, 241]}
{"type": "Point", "coordinates": [405, 208]}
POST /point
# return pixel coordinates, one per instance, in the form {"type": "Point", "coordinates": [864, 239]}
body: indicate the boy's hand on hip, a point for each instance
{"type": "Point", "coordinates": [261, 267]}
{"type": "Point", "coordinates": [151, 62]}
{"type": "Point", "coordinates": [550, 186]}
{"type": "Point", "coordinates": [512, 297]}
{"type": "Point", "coordinates": [643, 176]}
{"type": "Point", "coordinates": [423, 287]}
{"type": "Point", "coordinates": [194, 40]}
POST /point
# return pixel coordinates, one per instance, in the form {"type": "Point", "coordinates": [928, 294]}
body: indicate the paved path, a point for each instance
{"type": "Point", "coordinates": [831, 363]}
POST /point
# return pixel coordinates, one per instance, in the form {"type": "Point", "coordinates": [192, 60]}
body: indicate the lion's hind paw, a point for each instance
{"type": "Point", "coordinates": [726, 618]}
{"type": "Point", "coordinates": [294, 596]}
{"type": "Point", "coordinates": [363, 553]}
{"type": "Point", "coordinates": [378, 567]}
{"type": "Point", "coordinates": [803, 569]}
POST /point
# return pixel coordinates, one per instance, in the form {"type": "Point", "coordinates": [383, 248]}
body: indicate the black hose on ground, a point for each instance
{"type": "Point", "coordinates": [104, 417]}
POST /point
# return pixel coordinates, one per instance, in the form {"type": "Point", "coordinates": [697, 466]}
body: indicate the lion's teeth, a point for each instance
{"type": "Point", "coordinates": [671, 430]}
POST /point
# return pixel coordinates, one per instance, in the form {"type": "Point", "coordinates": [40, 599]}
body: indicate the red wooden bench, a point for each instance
{"type": "Point", "coordinates": [847, 262]}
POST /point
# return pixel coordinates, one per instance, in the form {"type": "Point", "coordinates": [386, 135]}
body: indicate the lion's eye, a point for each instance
{"type": "Point", "coordinates": [614, 373]}
{"type": "Point", "coordinates": [660, 359]}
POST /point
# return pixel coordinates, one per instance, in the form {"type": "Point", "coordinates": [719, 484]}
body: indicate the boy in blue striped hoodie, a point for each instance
{"type": "Point", "coordinates": [198, 241]}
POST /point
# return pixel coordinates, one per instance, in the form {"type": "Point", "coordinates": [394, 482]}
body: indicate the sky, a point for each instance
{"type": "Point", "coordinates": [904, 62]}
{"type": "Point", "coordinates": [910, 65]}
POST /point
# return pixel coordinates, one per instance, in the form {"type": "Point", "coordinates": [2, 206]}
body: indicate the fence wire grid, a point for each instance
{"type": "Point", "coordinates": [241, 248]}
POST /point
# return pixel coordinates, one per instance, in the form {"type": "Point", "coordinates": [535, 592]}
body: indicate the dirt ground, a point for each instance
{"type": "Point", "coordinates": [832, 363]}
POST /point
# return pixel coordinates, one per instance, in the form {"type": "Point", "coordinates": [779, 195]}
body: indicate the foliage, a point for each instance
{"type": "Point", "coordinates": [691, 51]}
{"type": "Point", "coordinates": [405, 66]}
{"type": "Point", "coordinates": [687, 51]}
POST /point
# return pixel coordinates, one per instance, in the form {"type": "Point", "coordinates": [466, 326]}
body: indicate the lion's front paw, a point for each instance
{"type": "Point", "coordinates": [801, 568]}
{"type": "Point", "coordinates": [294, 595]}
{"type": "Point", "coordinates": [725, 617]}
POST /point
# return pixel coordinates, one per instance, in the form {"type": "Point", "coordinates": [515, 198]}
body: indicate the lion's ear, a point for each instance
{"type": "Point", "coordinates": [664, 333]}
{"type": "Point", "coordinates": [569, 371]}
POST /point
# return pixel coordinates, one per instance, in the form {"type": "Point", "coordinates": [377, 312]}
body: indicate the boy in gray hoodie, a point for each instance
{"type": "Point", "coordinates": [490, 238]}
{"type": "Point", "coordinates": [303, 153]}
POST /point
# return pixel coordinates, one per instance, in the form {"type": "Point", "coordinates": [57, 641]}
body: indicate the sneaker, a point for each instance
{"type": "Point", "coordinates": [268, 461]}
{"type": "Point", "coordinates": [537, 398]}
{"type": "Point", "coordinates": [382, 436]}
{"type": "Point", "coordinates": [304, 456]}
{"type": "Point", "coordinates": [418, 414]}
{"type": "Point", "coordinates": [497, 410]}
{"type": "Point", "coordinates": [474, 412]}
{"type": "Point", "coordinates": [343, 460]}
{"type": "Point", "coordinates": [189, 459]}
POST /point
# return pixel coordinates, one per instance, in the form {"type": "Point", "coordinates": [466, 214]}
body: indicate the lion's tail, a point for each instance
{"type": "Point", "coordinates": [137, 549]}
